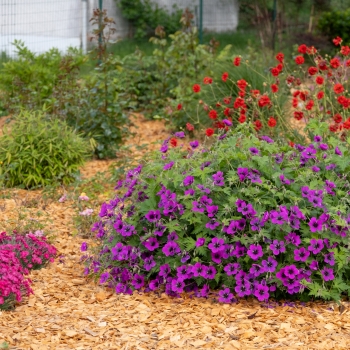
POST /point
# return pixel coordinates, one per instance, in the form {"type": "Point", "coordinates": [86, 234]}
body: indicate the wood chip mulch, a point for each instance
{"type": "Point", "coordinates": [68, 312]}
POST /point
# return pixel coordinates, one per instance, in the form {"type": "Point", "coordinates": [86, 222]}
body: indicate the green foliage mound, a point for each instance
{"type": "Point", "coordinates": [36, 151]}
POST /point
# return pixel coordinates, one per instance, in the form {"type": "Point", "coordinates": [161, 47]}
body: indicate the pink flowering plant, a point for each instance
{"type": "Point", "coordinates": [32, 249]}
{"type": "Point", "coordinates": [245, 216]}
{"type": "Point", "coordinates": [13, 284]}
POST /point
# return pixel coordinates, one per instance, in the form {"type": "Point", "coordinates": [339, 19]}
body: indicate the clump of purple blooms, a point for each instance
{"type": "Point", "coordinates": [261, 219]}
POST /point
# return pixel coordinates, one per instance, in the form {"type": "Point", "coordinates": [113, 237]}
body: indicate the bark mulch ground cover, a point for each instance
{"type": "Point", "coordinates": [69, 312]}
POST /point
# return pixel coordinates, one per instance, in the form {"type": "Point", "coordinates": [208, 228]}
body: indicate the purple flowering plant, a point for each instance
{"type": "Point", "coordinates": [235, 225]}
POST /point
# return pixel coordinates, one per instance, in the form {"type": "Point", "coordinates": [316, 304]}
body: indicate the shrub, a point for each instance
{"type": "Point", "coordinates": [36, 151]}
{"type": "Point", "coordinates": [13, 285]}
{"type": "Point", "coordinates": [32, 250]}
{"type": "Point", "coordinates": [246, 215]}
{"type": "Point", "coordinates": [289, 93]}
{"type": "Point", "coordinates": [335, 23]}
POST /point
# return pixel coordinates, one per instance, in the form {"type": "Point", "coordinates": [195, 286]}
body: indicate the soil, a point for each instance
{"type": "Point", "coordinates": [69, 312]}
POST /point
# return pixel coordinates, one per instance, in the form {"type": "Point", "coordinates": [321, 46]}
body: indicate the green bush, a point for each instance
{"type": "Point", "coordinates": [36, 151]}
{"type": "Point", "coordinates": [336, 23]}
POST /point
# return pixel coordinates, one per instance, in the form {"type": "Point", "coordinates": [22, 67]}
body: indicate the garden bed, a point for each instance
{"type": "Point", "coordinates": [68, 312]}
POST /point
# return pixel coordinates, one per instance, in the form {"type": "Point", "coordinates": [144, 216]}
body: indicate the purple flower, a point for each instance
{"type": "Point", "coordinates": [149, 263]}
{"type": "Point", "coordinates": [188, 180]}
{"type": "Point", "coordinates": [261, 292]}
{"type": "Point", "coordinates": [278, 217]}
{"type": "Point", "coordinates": [255, 251]}
{"type": "Point", "coordinates": [317, 138]}
{"type": "Point", "coordinates": [225, 296]}
{"type": "Point", "coordinates": [305, 191]}
{"type": "Point", "coordinates": [218, 179]}
{"type": "Point", "coordinates": [164, 270]}
{"type": "Point", "coordinates": [256, 270]}
{"type": "Point", "coordinates": [338, 152]}
{"type": "Point", "coordinates": [183, 272]}
{"type": "Point", "coordinates": [154, 284]}
{"type": "Point", "coordinates": [316, 245]}
{"type": "Point", "coordinates": [267, 139]}
{"type": "Point", "coordinates": [329, 258]}
{"type": "Point", "coordinates": [173, 236]}
{"type": "Point", "coordinates": [327, 274]}
{"type": "Point", "coordinates": [314, 265]}
{"type": "Point", "coordinates": [171, 248]}
{"type": "Point", "coordinates": [242, 173]}
{"type": "Point", "coordinates": [277, 247]}
{"type": "Point", "coordinates": [180, 134]}
{"type": "Point", "coordinates": [291, 271]}
{"type": "Point", "coordinates": [270, 264]}
{"type": "Point", "coordinates": [212, 210]}
{"type": "Point", "coordinates": [194, 144]}
{"type": "Point", "coordinates": [323, 146]}
{"type": "Point", "coordinates": [153, 216]}
{"type": "Point", "coordinates": [240, 224]}
{"type": "Point", "coordinates": [198, 207]}
{"type": "Point", "coordinates": [315, 169]}
{"type": "Point", "coordinates": [204, 165]}
{"type": "Point", "coordinates": [151, 244]}
{"type": "Point", "coordinates": [189, 192]}
{"type": "Point", "coordinates": [104, 277]}
{"type": "Point", "coordinates": [212, 224]}
{"type": "Point", "coordinates": [231, 269]}
{"type": "Point", "coordinates": [84, 247]}
{"type": "Point", "coordinates": [301, 254]}
{"type": "Point", "coordinates": [243, 289]}
{"type": "Point", "coordinates": [315, 225]}
{"type": "Point", "coordinates": [297, 212]}
{"type": "Point", "coordinates": [164, 148]}
{"type": "Point", "coordinates": [216, 257]}
{"type": "Point", "coordinates": [216, 244]}
{"type": "Point", "coordinates": [138, 281]}
{"type": "Point", "coordinates": [200, 242]}
{"type": "Point", "coordinates": [284, 180]}
{"type": "Point", "coordinates": [254, 151]}
{"type": "Point", "coordinates": [177, 285]}
{"type": "Point", "coordinates": [227, 122]}
{"type": "Point", "coordinates": [210, 273]}
{"type": "Point", "coordinates": [293, 238]}
{"type": "Point", "coordinates": [198, 269]}
{"type": "Point", "coordinates": [203, 293]}
{"type": "Point", "coordinates": [240, 204]}
{"type": "Point", "coordinates": [168, 166]}
{"type": "Point", "coordinates": [331, 167]}
{"type": "Point", "coordinates": [120, 288]}
{"type": "Point", "coordinates": [203, 189]}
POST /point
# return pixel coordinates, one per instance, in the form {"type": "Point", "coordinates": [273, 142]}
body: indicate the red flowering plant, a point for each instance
{"type": "Point", "coordinates": [290, 93]}
{"type": "Point", "coordinates": [13, 284]}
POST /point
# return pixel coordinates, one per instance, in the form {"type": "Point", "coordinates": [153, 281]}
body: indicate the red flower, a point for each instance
{"type": "Point", "coordinates": [296, 93]}
{"type": "Point", "coordinates": [338, 88]}
{"type": "Point", "coordinates": [209, 132]}
{"type": "Point", "coordinates": [207, 80]}
{"type": "Point", "coordinates": [313, 70]}
{"type": "Point", "coordinates": [333, 128]}
{"type": "Point", "coordinates": [346, 124]}
{"type": "Point", "coordinates": [189, 127]}
{"type": "Point", "coordinates": [274, 88]}
{"type": "Point", "coordinates": [196, 88]}
{"type": "Point", "coordinates": [302, 48]}
{"type": "Point", "coordinates": [319, 80]}
{"type": "Point", "coordinates": [280, 57]}
{"type": "Point", "coordinates": [275, 71]}
{"type": "Point", "coordinates": [272, 122]}
{"type": "Point", "coordinates": [242, 118]}
{"type": "Point", "coordinates": [347, 63]}
{"type": "Point", "coordinates": [311, 50]}
{"type": "Point", "coordinates": [337, 118]}
{"type": "Point", "coordinates": [264, 101]}
{"type": "Point", "coordinates": [255, 93]}
{"type": "Point", "coordinates": [345, 50]}
{"type": "Point", "coordinates": [295, 102]}
{"type": "Point", "coordinates": [242, 84]}
{"type": "Point", "coordinates": [337, 41]}
{"type": "Point", "coordinates": [173, 142]}
{"type": "Point", "coordinates": [299, 60]}
{"type": "Point", "coordinates": [303, 95]}
{"type": "Point", "coordinates": [179, 107]}
{"type": "Point", "coordinates": [237, 61]}
{"type": "Point", "coordinates": [322, 65]}
{"type": "Point", "coordinates": [291, 143]}
{"type": "Point", "coordinates": [320, 95]}
{"type": "Point", "coordinates": [298, 115]}
{"type": "Point", "coordinates": [241, 93]}
{"type": "Point", "coordinates": [213, 114]}
{"type": "Point", "coordinates": [239, 102]}
{"type": "Point", "coordinates": [309, 105]}
{"type": "Point", "coordinates": [227, 112]}
{"type": "Point", "coordinates": [257, 125]}
{"type": "Point", "coordinates": [334, 62]}
{"type": "Point", "coordinates": [224, 76]}
{"type": "Point", "coordinates": [227, 100]}
{"type": "Point", "coordinates": [290, 79]}
{"type": "Point", "coordinates": [280, 67]}
{"type": "Point", "coordinates": [219, 124]}
{"type": "Point", "coordinates": [344, 101]}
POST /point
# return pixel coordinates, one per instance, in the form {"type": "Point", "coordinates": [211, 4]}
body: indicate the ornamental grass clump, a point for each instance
{"type": "Point", "coordinates": [245, 216]}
